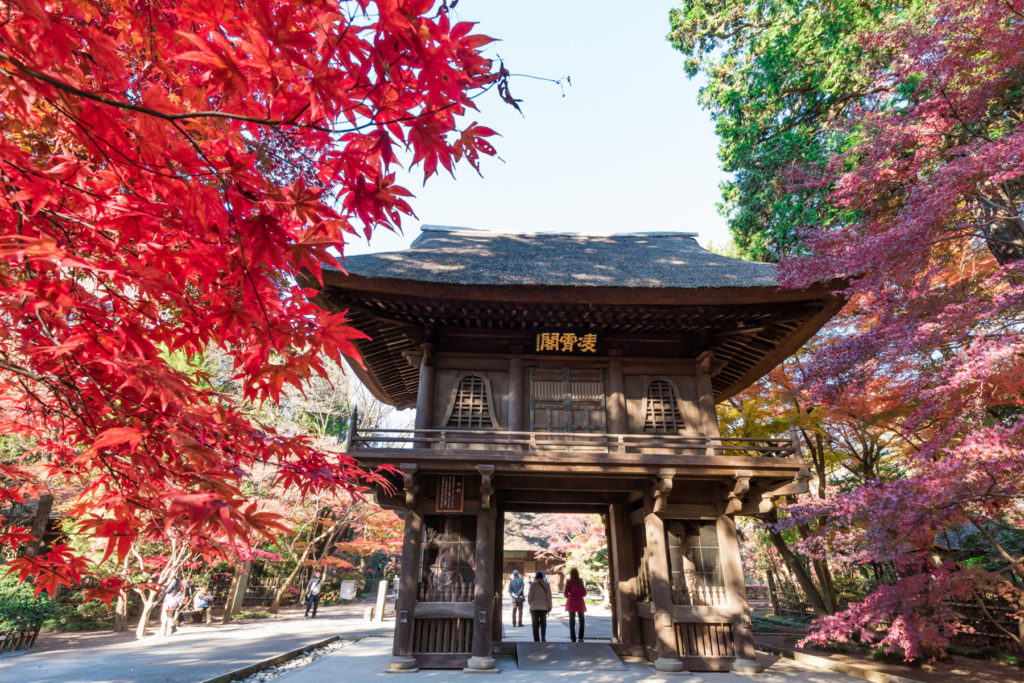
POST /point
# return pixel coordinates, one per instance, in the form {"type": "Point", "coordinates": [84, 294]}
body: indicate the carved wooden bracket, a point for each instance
{"type": "Point", "coordinates": [662, 487]}
{"type": "Point", "coordinates": [409, 483]}
{"type": "Point", "coordinates": [760, 502]}
{"type": "Point", "coordinates": [486, 488]}
{"type": "Point", "coordinates": [738, 492]}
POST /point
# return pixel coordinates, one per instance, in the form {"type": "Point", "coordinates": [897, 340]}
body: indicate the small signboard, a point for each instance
{"type": "Point", "coordinates": [451, 493]}
{"type": "Point", "coordinates": [568, 342]}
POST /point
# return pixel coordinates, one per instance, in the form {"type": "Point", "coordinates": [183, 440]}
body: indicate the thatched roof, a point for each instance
{"type": "Point", "coordinates": [643, 285]}
{"type": "Point", "coordinates": [637, 260]}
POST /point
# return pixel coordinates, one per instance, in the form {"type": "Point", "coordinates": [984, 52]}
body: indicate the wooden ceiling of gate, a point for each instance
{"type": "Point", "coordinates": [747, 338]}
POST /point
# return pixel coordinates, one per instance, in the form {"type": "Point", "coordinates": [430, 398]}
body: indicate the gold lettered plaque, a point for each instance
{"type": "Point", "coordinates": [568, 342]}
{"type": "Point", "coordinates": [451, 490]}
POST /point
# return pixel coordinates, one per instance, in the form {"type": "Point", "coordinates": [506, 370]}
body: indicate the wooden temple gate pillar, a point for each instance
{"type": "Point", "coordinates": [408, 583]}
{"type": "Point", "coordinates": [498, 585]}
{"type": "Point", "coordinates": [483, 596]}
{"type": "Point", "coordinates": [661, 581]}
{"type": "Point", "coordinates": [735, 590]}
{"type": "Point", "coordinates": [626, 626]}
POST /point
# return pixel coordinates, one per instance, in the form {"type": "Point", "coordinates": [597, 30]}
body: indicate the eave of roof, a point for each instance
{"type": "Point", "coordinates": [727, 282]}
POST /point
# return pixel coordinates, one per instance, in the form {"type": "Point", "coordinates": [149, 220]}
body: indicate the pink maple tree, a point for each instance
{"type": "Point", "coordinates": [932, 247]}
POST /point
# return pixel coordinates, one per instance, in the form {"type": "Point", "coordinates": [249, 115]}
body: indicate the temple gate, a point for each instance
{"type": "Point", "coordinates": [573, 373]}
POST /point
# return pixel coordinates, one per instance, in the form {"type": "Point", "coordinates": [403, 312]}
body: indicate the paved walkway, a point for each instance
{"type": "Point", "coordinates": [199, 652]}
{"type": "Point", "coordinates": [364, 660]}
{"type": "Point", "coordinates": [195, 653]}
{"type": "Point", "coordinates": [599, 625]}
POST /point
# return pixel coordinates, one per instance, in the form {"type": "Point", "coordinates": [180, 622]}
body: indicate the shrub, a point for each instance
{"type": "Point", "coordinates": [20, 609]}
{"type": "Point", "coordinates": [249, 614]}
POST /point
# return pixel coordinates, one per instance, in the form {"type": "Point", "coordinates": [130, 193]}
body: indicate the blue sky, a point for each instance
{"type": "Point", "coordinates": [625, 149]}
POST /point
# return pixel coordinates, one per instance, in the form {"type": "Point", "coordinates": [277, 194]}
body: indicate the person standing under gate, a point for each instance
{"type": "Point", "coordinates": [539, 598]}
{"type": "Point", "coordinates": [516, 590]}
{"type": "Point", "coordinates": [575, 592]}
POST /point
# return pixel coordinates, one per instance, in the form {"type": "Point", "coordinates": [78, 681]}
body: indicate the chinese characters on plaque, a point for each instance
{"type": "Point", "coordinates": [450, 493]}
{"type": "Point", "coordinates": [564, 342]}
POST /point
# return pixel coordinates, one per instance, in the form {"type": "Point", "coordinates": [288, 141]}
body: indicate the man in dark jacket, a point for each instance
{"type": "Point", "coordinates": [516, 590]}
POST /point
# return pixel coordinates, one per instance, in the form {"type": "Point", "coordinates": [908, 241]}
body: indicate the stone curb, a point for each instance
{"type": "Point", "coordinates": [246, 671]}
{"type": "Point", "coordinates": [861, 672]}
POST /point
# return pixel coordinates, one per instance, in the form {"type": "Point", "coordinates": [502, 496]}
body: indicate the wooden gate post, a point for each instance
{"type": "Point", "coordinates": [624, 569]}
{"type": "Point", "coordinates": [735, 591]}
{"type": "Point", "coordinates": [483, 597]}
{"type": "Point", "coordinates": [405, 604]}
{"type": "Point", "coordinates": [498, 587]}
{"type": "Point", "coordinates": [661, 595]}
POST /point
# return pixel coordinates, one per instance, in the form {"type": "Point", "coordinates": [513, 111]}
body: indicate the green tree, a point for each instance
{"type": "Point", "coordinates": [780, 74]}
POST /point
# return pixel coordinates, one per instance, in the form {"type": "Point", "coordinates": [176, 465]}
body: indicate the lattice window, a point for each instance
{"type": "Point", "coordinates": [471, 408]}
{"type": "Point", "coordinates": [661, 412]}
{"type": "Point", "coordinates": [695, 562]}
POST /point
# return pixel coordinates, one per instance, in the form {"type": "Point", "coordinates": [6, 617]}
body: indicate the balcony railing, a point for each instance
{"type": "Point", "coordinates": [625, 445]}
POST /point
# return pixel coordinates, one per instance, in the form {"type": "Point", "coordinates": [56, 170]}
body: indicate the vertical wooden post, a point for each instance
{"type": "Point", "coordinates": [483, 597]}
{"type": "Point", "coordinates": [425, 393]}
{"type": "Point", "coordinates": [408, 582]}
{"type": "Point", "coordinates": [661, 595]}
{"type": "Point", "coordinates": [624, 569]}
{"type": "Point", "coordinates": [617, 422]}
{"type": "Point", "coordinates": [706, 400]}
{"type": "Point", "coordinates": [499, 575]}
{"type": "Point", "coordinates": [735, 591]}
{"type": "Point", "coordinates": [515, 395]}
{"type": "Point", "coordinates": [382, 599]}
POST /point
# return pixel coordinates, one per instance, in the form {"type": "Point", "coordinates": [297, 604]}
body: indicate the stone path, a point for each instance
{"type": "Point", "coordinates": [201, 652]}
{"type": "Point", "coordinates": [196, 653]}
{"type": "Point", "coordinates": [364, 660]}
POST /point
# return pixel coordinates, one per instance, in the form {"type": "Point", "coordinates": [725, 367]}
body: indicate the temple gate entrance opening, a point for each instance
{"type": "Point", "coordinates": [572, 373]}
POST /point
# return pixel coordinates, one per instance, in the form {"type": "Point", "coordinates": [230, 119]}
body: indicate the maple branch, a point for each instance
{"type": "Point", "coordinates": [91, 95]}
{"type": "Point", "coordinates": [184, 116]}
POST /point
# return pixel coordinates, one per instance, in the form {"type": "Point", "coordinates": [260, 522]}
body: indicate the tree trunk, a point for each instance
{"type": "Point", "coordinates": [121, 613]}
{"type": "Point", "coordinates": [40, 521]}
{"type": "Point", "coordinates": [795, 566]}
{"type": "Point", "coordinates": [236, 594]}
{"type": "Point", "coordinates": [275, 605]}
{"type": "Point", "coordinates": [148, 603]}
{"type": "Point", "coordinates": [773, 594]}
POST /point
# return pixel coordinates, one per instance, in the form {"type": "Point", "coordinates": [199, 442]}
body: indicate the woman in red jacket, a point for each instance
{"type": "Point", "coordinates": [575, 591]}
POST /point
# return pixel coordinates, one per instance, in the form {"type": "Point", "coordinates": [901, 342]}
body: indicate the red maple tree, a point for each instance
{"type": "Point", "coordinates": [168, 169]}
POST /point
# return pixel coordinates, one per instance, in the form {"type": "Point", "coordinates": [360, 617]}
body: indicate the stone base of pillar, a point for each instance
{"type": "Point", "coordinates": [401, 665]}
{"type": "Point", "coordinates": [669, 665]}
{"type": "Point", "coordinates": [482, 665]}
{"type": "Point", "coordinates": [747, 666]}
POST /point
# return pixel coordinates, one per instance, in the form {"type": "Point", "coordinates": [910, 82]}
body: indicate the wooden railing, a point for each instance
{"type": "Point", "coordinates": [701, 596]}
{"type": "Point", "coordinates": [618, 444]}
{"type": "Point", "coordinates": [19, 639]}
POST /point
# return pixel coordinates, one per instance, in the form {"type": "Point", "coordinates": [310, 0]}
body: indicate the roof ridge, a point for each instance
{"type": "Point", "coordinates": [430, 227]}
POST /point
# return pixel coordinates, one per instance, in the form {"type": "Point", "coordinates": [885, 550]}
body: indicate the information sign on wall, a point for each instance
{"type": "Point", "coordinates": [568, 342]}
{"type": "Point", "coordinates": [451, 489]}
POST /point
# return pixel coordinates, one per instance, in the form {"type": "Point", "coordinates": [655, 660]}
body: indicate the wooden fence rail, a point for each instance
{"type": "Point", "coordinates": [619, 444]}
{"type": "Point", "coordinates": [18, 640]}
